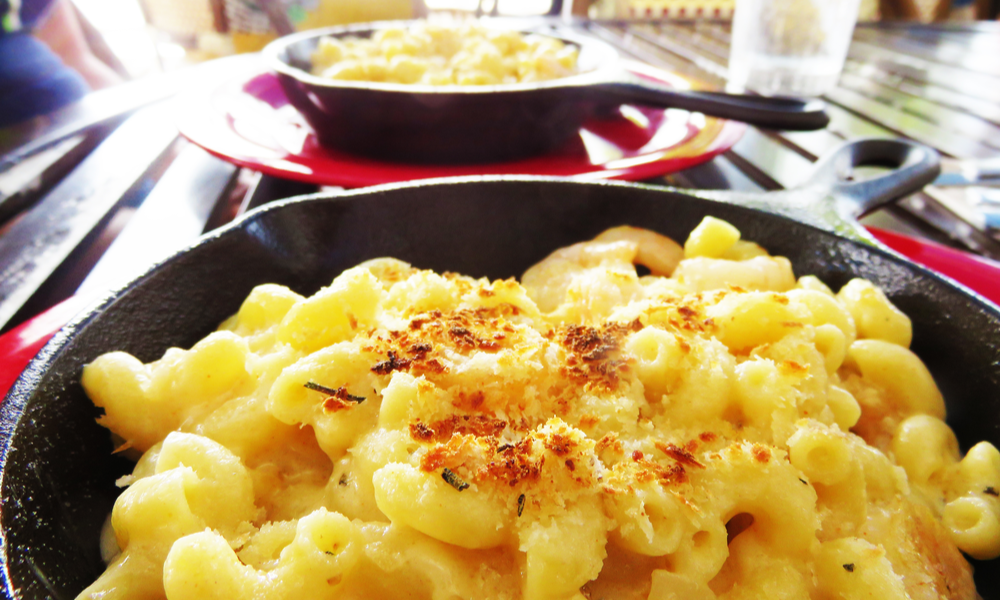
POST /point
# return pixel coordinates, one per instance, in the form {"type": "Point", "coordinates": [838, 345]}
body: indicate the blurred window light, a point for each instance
{"type": "Point", "coordinates": [123, 27]}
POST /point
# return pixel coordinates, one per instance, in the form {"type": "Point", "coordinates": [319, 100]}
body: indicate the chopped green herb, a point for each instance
{"type": "Point", "coordinates": [804, 482]}
{"type": "Point", "coordinates": [339, 393]}
{"type": "Point", "coordinates": [309, 385]}
{"type": "Point", "coordinates": [520, 504]}
{"type": "Point", "coordinates": [849, 567]}
{"type": "Point", "coordinates": [453, 480]}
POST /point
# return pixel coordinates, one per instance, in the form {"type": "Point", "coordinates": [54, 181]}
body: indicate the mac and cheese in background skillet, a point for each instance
{"type": "Point", "coordinates": [436, 54]}
{"type": "Point", "coordinates": [717, 428]}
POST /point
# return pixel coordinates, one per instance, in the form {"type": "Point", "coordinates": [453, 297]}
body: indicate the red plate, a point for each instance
{"type": "Point", "coordinates": [249, 122]}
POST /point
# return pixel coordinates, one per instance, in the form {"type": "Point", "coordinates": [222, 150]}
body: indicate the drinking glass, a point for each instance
{"type": "Point", "coordinates": [790, 47]}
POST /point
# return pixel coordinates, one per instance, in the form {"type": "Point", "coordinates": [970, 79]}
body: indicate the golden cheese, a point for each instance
{"type": "Point", "coordinates": [589, 433]}
{"type": "Point", "coordinates": [444, 54]}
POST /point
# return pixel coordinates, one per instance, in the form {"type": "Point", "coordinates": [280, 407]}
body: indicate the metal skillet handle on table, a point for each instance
{"type": "Point", "coordinates": [913, 166]}
{"type": "Point", "coordinates": [791, 114]}
{"type": "Point", "coordinates": [833, 200]}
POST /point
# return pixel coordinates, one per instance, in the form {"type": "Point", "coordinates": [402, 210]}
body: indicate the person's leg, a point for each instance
{"type": "Point", "coordinates": [62, 33]}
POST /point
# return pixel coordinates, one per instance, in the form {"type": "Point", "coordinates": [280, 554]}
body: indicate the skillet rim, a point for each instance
{"type": "Point", "coordinates": [97, 307]}
{"type": "Point", "coordinates": [29, 381]}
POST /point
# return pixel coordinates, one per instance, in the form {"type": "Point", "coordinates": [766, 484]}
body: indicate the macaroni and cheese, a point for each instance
{"type": "Point", "coordinates": [435, 54]}
{"type": "Point", "coordinates": [715, 429]}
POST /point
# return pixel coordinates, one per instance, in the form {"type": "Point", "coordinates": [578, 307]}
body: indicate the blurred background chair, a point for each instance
{"type": "Point", "coordinates": [675, 9]}
{"type": "Point", "coordinates": [943, 10]}
{"type": "Point", "coordinates": [910, 10]}
{"type": "Point", "coordinates": [938, 10]}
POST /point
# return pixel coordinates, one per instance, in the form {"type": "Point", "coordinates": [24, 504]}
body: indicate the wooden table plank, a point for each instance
{"type": "Point", "coordinates": [764, 155]}
{"type": "Point", "coordinates": [812, 144]}
{"type": "Point", "coordinates": [720, 173]}
{"type": "Point", "coordinates": [944, 27]}
{"type": "Point", "coordinates": [909, 125]}
{"type": "Point", "coordinates": [975, 85]}
{"type": "Point", "coordinates": [946, 119]}
{"type": "Point", "coordinates": [942, 52]}
{"type": "Point", "coordinates": [637, 47]}
{"type": "Point", "coordinates": [680, 47]}
{"type": "Point", "coordinates": [110, 106]}
{"type": "Point", "coordinates": [844, 125]}
{"type": "Point", "coordinates": [988, 111]}
{"type": "Point", "coordinates": [969, 128]}
{"type": "Point", "coordinates": [698, 40]}
{"type": "Point", "coordinates": [937, 207]}
{"type": "Point", "coordinates": [909, 101]}
{"type": "Point", "coordinates": [848, 125]}
{"type": "Point", "coordinates": [171, 217]}
{"type": "Point", "coordinates": [39, 242]}
{"type": "Point", "coordinates": [972, 41]}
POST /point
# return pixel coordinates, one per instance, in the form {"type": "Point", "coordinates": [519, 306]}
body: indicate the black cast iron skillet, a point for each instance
{"type": "Point", "coordinates": [56, 465]}
{"type": "Point", "coordinates": [474, 124]}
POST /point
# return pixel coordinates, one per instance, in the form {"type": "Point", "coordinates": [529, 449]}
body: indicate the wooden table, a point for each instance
{"type": "Point", "coordinates": [98, 207]}
{"type": "Point", "coordinates": [936, 84]}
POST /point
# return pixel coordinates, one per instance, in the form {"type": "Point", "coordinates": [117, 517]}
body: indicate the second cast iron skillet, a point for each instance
{"type": "Point", "coordinates": [56, 464]}
{"type": "Point", "coordinates": [475, 124]}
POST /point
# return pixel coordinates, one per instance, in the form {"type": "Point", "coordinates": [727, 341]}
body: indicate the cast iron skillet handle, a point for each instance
{"type": "Point", "coordinates": [830, 200]}
{"type": "Point", "coordinates": [913, 166]}
{"type": "Point", "coordinates": [772, 113]}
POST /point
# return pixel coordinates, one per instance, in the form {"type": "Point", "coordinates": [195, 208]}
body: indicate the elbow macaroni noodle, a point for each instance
{"type": "Point", "coordinates": [441, 55]}
{"type": "Point", "coordinates": [717, 429]}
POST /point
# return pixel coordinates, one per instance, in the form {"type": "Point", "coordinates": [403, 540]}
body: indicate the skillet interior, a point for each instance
{"type": "Point", "coordinates": [57, 476]}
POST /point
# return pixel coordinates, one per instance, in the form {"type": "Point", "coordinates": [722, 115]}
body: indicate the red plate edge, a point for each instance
{"type": "Point", "coordinates": [726, 140]}
{"type": "Point", "coordinates": [19, 345]}
{"type": "Point", "coordinates": [981, 275]}
{"type": "Point", "coordinates": [208, 128]}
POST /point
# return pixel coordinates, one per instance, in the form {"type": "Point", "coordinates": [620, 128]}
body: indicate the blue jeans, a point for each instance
{"type": "Point", "coordinates": [33, 81]}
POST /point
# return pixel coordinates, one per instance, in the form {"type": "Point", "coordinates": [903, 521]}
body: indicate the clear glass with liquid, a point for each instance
{"type": "Point", "coordinates": [790, 47]}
